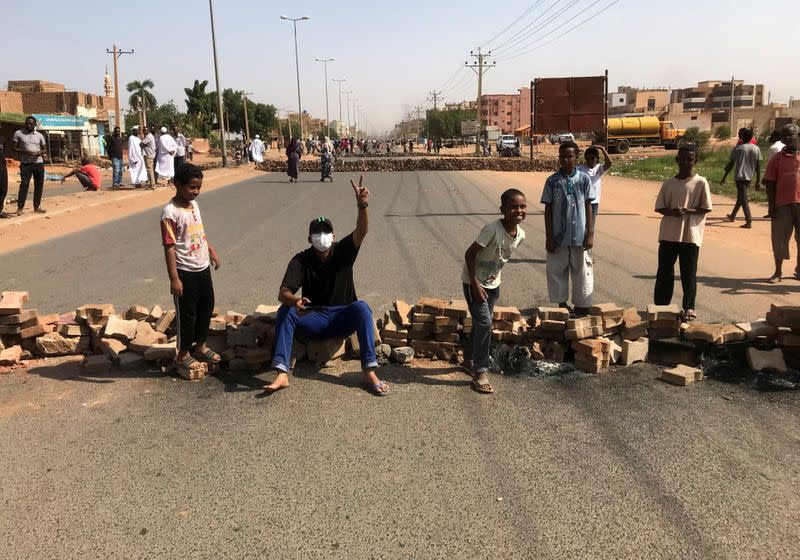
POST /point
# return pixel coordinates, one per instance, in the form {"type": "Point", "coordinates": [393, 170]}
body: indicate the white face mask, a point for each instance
{"type": "Point", "coordinates": [322, 241]}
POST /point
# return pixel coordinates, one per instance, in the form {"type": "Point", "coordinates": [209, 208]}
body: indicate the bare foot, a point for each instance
{"type": "Point", "coordinates": [377, 386]}
{"type": "Point", "coordinates": [281, 381]}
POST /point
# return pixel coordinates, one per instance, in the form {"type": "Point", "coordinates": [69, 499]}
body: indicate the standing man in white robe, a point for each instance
{"type": "Point", "coordinates": [136, 159]}
{"type": "Point", "coordinates": [257, 151]}
{"type": "Point", "coordinates": [165, 162]}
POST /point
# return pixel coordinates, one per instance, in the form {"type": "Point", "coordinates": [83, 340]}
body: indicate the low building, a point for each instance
{"type": "Point", "coordinates": [716, 94]}
{"type": "Point", "coordinates": [73, 122]}
{"type": "Point", "coordinates": [630, 101]}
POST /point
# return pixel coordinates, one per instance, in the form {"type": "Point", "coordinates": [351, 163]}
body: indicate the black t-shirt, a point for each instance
{"type": "Point", "coordinates": [114, 146]}
{"type": "Point", "coordinates": [328, 282]}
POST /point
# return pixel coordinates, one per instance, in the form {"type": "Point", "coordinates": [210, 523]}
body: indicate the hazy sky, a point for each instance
{"type": "Point", "coordinates": [393, 53]}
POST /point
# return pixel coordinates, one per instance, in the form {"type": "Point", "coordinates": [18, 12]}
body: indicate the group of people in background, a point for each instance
{"type": "Point", "coordinates": [152, 155]}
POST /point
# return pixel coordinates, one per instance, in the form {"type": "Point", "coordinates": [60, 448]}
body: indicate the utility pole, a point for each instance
{"type": "Point", "coordinates": [219, 89]}
{"type": "Point", "coordinates": [339, 132]}
{"type": "Point", "coordinates": [349, 122]}
{"type": "Point", "coordinates": [117, 53]}
{"type": "Point", "coordinates": [418, 109]}
{"type": "Point", "coordinates": [246, 121]}
{"type": "Point", "coordinates": [731, 115]}
{"type": "Point", "coordinates": [479, 68]}
{"type": "Point", "coordinates": [436, 97]}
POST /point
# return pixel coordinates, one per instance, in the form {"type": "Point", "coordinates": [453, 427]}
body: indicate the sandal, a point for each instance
{"type": "Point", "coordinates": [689, 315]}
{"type": "Point", "coordinates": [209, 356]}
{"type": "Point", "coordinates": [380, 389]}
{"type": "Point", "coordinates": [187, 362]}
{"type": "Point", "coordinates": [774, 279]}
{"type": "Point", "coordinates": [481, 387]}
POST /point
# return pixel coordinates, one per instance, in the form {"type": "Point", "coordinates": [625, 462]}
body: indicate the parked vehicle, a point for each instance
{"type": "Point", "coordinates": [560, 137]}
{"type": "Point", "coordinates": [641, 131]}
{"type": "Point", "coordinates": [508, 145]}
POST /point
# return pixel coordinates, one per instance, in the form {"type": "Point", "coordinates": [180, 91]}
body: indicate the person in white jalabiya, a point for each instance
{"type": "Point", "coordinates": [136, 166]}
{"type": "Point", "coordinates": [165, 164]}
{"type": "Point", "coordinates": [257, 150]}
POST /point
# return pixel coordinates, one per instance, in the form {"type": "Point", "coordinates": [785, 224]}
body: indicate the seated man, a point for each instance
{"type": "Point", "coordinates": [328, 307]}
{"type": "Point", "coordinates": [88, 174]}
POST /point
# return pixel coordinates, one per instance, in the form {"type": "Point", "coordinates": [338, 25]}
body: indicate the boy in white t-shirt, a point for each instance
{"type": "Point", "coordinates": [595, 171]}
{"type": "Point", "coordinates": [683, 201]}
{"type": "Point", "coordinates": [483, 263]}
{"type": "Point", "coordinates": [189, 255]}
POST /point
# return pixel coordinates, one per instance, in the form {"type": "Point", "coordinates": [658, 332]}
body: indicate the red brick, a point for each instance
{"type": "Point", "coordinates": [682, 375]}
{"type": "Point", "coordinates": [37, 330]}
{"type": "Point", "coordinates": [404, 311]}
{"type": "Point", "coordinates": [21, 317]}
{"type": "Point", "coordinates": [759, 360]}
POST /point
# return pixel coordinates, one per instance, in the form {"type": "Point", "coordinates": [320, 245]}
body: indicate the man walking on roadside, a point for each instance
{"type": "Point", "coordinates": [30, 144]}
{"type": "Point", "coordinates": [148, 147]}
{"type": "Point", "coordinates": [746, 157]}
{"type": "Point", "coordinates": [180, 150]}
{"type": "Point", "coordinates": [114, 149]}
{"type": "Point", "coordinates": [3, 178]}
{"type": "Point", "coordinates": [782, 178]}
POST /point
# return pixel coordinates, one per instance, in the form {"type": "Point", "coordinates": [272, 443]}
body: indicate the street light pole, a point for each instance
{"type": "Point", "coordinates": [219, 89]}
{"type": "Point", "coordinates": [355, 115]}
{"type": "Point", "coordinates": [340, 102]}
{"type": "Point", "coordinates": [325, 61]}
{"type": "Point", "coordinates": [297, 69]}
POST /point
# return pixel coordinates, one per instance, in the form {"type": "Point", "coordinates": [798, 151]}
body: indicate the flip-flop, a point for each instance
{"type": "Point", "coordinates": [380, 389]}
{"type": "Point", "coordinates": [186, 362]}
{"type": "Point", "coordinates": [209, 356]}
{"type": "Point", "coordinates": [689, 316]}
{"type": "Point", "coordinates": [774, 279]}
{"type": "Point", "coordinates": [481, 387]}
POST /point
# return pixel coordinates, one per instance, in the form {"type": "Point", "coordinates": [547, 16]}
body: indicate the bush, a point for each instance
{"type": "Point", "coordinates": [699, 139]}
{"type": "Point", "coordinates": [723, 132]}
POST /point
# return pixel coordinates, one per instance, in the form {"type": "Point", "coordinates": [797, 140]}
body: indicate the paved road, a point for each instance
{"type": "Point", "coordinates": [614, 466]}
{"type": "Point", "coordinates": [421, 223]}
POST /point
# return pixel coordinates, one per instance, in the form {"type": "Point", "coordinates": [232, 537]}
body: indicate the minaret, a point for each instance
{"type": "Point", "coordinates": [108, 84]}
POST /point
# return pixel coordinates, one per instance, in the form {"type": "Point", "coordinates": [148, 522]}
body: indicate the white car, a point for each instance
{"type": "Point", "coordinates": [507, 141]}
{"type": "Point", "coordinates": [560, 137]}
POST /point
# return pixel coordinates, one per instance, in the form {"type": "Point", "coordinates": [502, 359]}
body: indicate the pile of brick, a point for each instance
{"type": "Point", "coordinates": [362, 165]}
{"type": "Point", "coordinates": [431, 328]}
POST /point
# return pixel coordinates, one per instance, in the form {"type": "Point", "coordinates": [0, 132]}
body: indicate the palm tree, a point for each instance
{"type": "Point", "coordinates": [141, 99]}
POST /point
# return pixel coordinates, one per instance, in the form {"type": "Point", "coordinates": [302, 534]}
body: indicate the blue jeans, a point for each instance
{"type": "Point", "coordinates": [325, 322]}
{"type": "Point", "coordinates": [480, 343]}
{"type": "Point", "coordinates": [116, 164]}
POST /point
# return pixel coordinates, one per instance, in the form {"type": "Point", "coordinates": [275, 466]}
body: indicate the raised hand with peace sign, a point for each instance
{"type": "Point", "coordinates": [362, 199]}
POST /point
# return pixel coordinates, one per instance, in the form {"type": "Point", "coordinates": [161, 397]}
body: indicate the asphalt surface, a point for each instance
{"type": "Point", "coordinates": [144, 466]}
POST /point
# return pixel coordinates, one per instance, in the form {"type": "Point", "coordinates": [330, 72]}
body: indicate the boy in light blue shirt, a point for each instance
{"type": "Point", "coordinates": [567, 197]}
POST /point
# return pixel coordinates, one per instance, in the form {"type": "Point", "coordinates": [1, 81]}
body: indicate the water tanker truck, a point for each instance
{"type": "Point", "coordinates": [641, 131]}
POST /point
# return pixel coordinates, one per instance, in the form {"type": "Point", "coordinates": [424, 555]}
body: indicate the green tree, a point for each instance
{"type": "Point", "coordinates": [263, 119]}
{"type": "Point", "coordinates": [201, 107]}
{"type": "Point", "coordinates": [723, 132]}
{"type": "Point", "coordinates": [694, 136]}
{"type": "Point", "coordinates": [141, 98]}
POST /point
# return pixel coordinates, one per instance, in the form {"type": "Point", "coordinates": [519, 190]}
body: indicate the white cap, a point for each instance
{"type": "Point", "coordinates": [163, 129]}
{"type": "Point", "coordinates": [257, 136]}
{"type": "Point", "coordinates": [135, 127]}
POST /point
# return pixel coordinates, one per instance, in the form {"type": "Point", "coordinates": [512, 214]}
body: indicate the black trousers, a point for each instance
{"type": "Point", "coordinates": [687, 255]}
{"type": "Point", "coordinates": [85, 181]}
{"type": "Point", "coordinates": [741, 200]}
{"type": "Point", "coordinates": [194, 307]}
{"type": "Point", "coordinates": [26, 171]}
{"type": "Point", "coordinates": [179, 161]}
{"type": "Point", "coordinates": [3, 187]}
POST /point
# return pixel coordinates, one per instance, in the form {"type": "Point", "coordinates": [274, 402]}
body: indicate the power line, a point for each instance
{"type": "Point", "coordinates": [526, 32]}
{"type": "Point", "coordinates": [526, 12]}
{"type": "Point", "coordinates": [557, 27]}
{"type": "Point", "coordinates": [435, 97]}
{"type": "Point", "coordinates": [598, 12]}
{"type": "Point", "coordinates": [504, 49]}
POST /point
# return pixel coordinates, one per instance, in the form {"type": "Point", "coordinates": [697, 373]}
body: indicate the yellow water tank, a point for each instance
{"type": "Point", "coordinates": [633, 126]}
